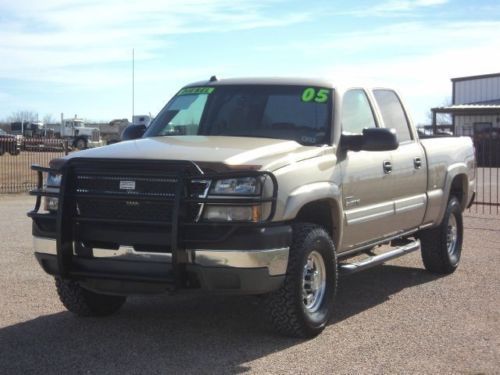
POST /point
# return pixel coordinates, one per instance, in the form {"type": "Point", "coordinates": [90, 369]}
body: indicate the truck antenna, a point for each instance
{"type": "Point", "coordinates": [133, 83]}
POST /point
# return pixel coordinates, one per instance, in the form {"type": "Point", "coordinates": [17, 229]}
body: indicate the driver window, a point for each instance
{"type": "Point", "coordinates": [356, 112]}
{"type": "Point", "coordinates": [185, 112]}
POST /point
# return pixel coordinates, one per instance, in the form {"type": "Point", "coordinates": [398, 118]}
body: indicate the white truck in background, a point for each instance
{"type": "Point", "coordinates": [78, 135]}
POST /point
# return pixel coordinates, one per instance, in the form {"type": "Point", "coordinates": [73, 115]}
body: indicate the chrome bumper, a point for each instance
{"type": "Point", "coordinates": [275, 260]}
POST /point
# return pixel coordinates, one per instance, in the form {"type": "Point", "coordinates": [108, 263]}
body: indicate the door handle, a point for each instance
{"type": "Point", "coordinates": [417, 163]}
{"type": "Point", "coordinates": [387, 167]}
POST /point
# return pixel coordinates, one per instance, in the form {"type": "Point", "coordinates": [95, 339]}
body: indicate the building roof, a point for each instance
{"type": "Point", "coordinates": [490, 107]}
{"type": "Point", "coordinates": [470, 78]}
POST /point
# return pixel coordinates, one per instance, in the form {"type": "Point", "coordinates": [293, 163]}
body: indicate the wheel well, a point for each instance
{"type": "Point", "coordinates": [459, 188]}
{"type": "Point", "coordinates": [323, 213]}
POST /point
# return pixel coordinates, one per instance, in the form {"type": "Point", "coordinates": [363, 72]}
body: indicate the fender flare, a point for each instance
{"type": "Point", "coordinates": [310, 193]}
{"type": "Point", "coordinates": [453, 171]}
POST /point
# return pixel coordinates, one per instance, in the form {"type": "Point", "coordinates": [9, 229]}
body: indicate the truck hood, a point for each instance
{"type": "Point", "coordinates": [218, 152]}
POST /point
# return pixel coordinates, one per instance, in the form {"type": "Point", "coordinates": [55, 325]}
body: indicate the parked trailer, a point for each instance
{"type": "Point", "coordinates": [8, 143]}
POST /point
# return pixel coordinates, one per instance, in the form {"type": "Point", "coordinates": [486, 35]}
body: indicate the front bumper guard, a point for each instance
{"type": "Point", "coordinates": [66, 264]}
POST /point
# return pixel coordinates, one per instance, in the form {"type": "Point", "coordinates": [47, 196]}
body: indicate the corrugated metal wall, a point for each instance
{"type": "Point", "coordinates": [465, 124]}
{"type": "Point", "coordinates": [477, 90]}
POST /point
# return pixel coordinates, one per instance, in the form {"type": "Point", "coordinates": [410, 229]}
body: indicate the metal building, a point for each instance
{"type": "Point", "coordinates": [475, 105]}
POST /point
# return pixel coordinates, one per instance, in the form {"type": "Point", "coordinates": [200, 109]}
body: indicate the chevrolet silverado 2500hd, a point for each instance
{"type": "Point", "coordinates": [252, 186]}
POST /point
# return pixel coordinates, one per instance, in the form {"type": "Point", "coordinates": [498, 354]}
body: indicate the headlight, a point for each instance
{"type": "Point", "coordinates": [233, 213]}
{"type": "Point", "coordinates": [52, 184]}
{"type": "Point", "coordinates": [53, 180]}
{"type": "Point", "coordinates": [237, 186]}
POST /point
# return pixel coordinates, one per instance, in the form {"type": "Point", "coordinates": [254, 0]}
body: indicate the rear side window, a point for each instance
{"type": "Point", "coordinates": [393, 113]}
{"type": "Point", "coordinates": [356, 112]}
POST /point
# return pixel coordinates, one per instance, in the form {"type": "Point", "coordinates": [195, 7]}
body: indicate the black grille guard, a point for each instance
{"type": "Point", "coordinates": [183, 172]}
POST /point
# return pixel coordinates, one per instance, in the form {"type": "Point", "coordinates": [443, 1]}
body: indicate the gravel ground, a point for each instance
{"type": "Point", "coordinates": [395, 318]}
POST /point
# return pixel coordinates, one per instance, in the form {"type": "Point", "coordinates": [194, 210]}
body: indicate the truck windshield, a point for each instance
{"type": "Point", "coordinates": [297, 113]}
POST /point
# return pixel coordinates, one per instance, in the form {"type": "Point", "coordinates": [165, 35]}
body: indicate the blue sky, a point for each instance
{"type": "Point", "coordinates": [74, 56]}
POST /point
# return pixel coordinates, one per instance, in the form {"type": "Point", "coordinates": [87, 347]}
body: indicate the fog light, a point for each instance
{"type": "Point", "coordinates": [232, 213]}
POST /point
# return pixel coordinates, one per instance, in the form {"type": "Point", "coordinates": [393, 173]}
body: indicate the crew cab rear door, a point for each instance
{"type": "Point", "coordinates": [408, 163]}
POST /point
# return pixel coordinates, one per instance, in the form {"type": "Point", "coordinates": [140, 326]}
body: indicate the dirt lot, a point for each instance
{"type": "Point", "coordinates": [392, 319]}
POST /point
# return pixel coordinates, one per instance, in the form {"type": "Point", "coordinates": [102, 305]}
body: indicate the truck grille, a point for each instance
{"type": "Point", "coordinates": [128, 185]}
{"type": "Point", "coordinates": [128, 210]}
{"type": "Point", "coordinates": [96, 135]}
{"type": "Point", "coordinates": [133, 197]}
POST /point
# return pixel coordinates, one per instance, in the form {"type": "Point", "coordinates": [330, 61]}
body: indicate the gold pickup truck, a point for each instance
{"type": "Point", "coordinates": [252, 186]}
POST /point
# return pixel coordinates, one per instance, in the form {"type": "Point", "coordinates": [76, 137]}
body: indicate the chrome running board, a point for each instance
{"type": "Point", "coordinates": [348, 268]}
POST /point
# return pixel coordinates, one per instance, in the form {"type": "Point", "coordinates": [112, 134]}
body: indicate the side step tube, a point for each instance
{"type": "Point", "coordinates": [348, 268]}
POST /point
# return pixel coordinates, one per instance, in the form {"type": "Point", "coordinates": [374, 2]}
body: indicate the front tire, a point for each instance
{"type": "Point", "coordinates": [83, 302]}
{"type": "Point", "coordinates": [442, 246]}
{"type": "Point", "coordinates": [303, 305]}
{"type": "Point", "coordinates": [81, 143]}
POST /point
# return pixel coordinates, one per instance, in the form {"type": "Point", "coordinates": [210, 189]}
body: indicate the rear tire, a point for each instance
{"type": "Point", "coordinates": [303, 305]}
{"type": "Point", "coordinates": [442, 246]}
{"type": "Point", "coordinates": [83, 302]}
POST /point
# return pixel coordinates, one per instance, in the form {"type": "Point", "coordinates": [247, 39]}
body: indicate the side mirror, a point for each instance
{"type": "Point", "coordinates": [133, 132]}
{"type": "Point", "coordinates": [380, 139]}
{"type": "Point", "coordinates": [372, 139]}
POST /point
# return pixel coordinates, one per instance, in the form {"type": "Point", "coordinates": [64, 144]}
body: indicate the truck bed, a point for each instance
{"type": "Point", "coordinates": [443, 155]}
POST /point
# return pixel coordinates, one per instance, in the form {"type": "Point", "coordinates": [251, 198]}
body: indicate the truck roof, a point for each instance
{"type": "Point", "coordinates": [265, 81]}
{"type": "Point", "coordinates": [339, 86]}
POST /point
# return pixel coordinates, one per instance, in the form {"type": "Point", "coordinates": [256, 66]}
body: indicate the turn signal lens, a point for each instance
{"type": "Point", "coordinates": [232, 213]}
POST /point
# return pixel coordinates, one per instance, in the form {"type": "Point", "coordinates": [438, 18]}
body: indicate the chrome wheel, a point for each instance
{"type": "Point", "coordinates": [452, 235]}
{"type": "Point", "coordinates": [313, 282]}
{"type": "Point", "coordinates": [442, 245]}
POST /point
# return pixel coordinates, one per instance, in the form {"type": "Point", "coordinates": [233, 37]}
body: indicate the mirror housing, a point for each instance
{"type": "Point", "coordinates": [133, 132]}
{"type": "Point", "coordinates": [372, 139]}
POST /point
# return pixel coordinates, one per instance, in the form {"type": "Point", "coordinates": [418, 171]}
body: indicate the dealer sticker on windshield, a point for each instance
{"type": "Point", "coordinates": [196, 90]}
{"type": "Point", "coordinates": [312, 94]}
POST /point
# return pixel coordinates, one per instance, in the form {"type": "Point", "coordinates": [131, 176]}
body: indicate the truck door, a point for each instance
{"type": "Point", "coordinates": [409, 169]}
{"type": "Point", "coordinates": [366, 182]}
